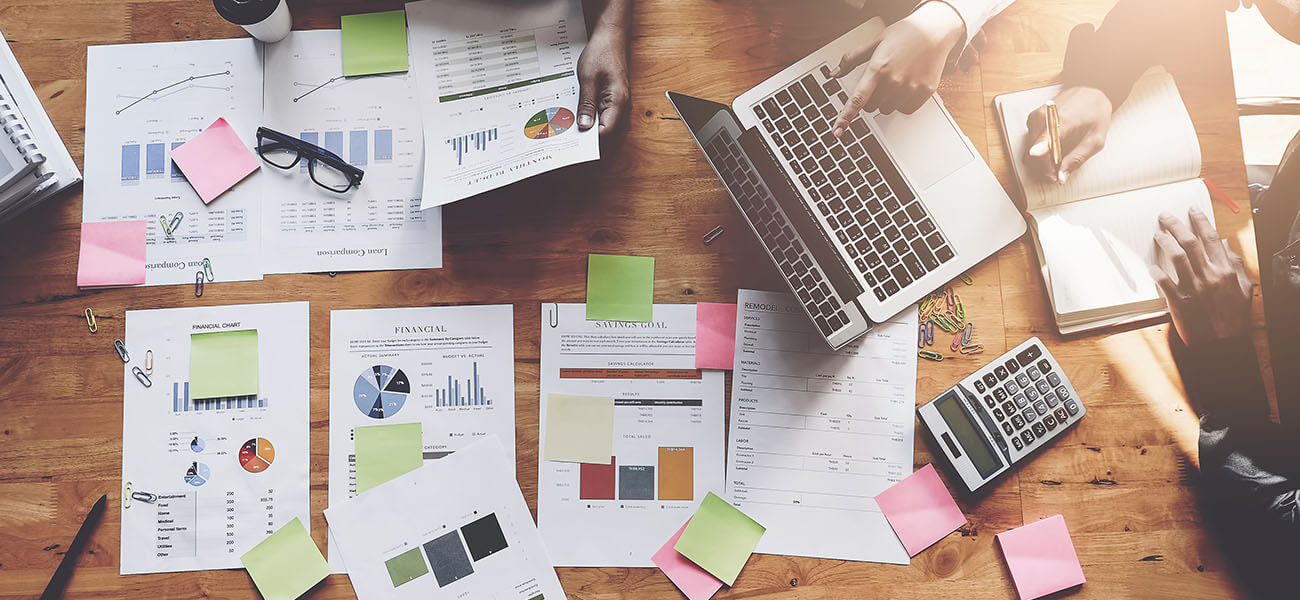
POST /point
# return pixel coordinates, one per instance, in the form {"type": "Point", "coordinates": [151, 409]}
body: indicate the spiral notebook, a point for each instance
{"type": "Point", "coordinates": [1094, 234]}
{"type": "Point", "coordinates": [34, 163]}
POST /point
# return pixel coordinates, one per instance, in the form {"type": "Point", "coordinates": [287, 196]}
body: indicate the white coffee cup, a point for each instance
{"type": "Point", "coordinates": [266, 20]}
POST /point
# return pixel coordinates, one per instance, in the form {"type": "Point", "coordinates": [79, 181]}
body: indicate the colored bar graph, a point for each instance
{"type": "Point", "coordinates": [131, 162]}
{"type": "Point", "coordinates": [176, 171]}
{"type": "Point", "coordinates": [461, 144]}
{"type": "Point", "coordinates": [181, 401]}
{"type": "Point", "coordinates": [596, 482]}
{"type": "Point", "coordinates": [383, 144]}
{"type": "Point", "coordinates": [358, 142]}
{"type": "Point", "coordinates": [676, 473]}
{"type": "Point", "coordinates": [311, 137]}
{"type": "Point", "coordinates": [471, 394]}
{"type": "Point", "coordinates": [155, 162]}
{"type": "Point", "coordinates": [334, 142]}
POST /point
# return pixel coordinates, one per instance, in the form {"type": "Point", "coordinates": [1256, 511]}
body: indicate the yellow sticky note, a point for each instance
{"type": "Point", "coordinates": [287, 564]}
{"type": "Point", "coordinates": [223, 363]}
{"type": "Point", "coordinates": [386, 451]}
{"type": "Point", "coordinates": [579, 428]}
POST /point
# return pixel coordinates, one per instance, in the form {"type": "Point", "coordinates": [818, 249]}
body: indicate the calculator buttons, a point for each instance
{"type": "Point", "coordinates": [1021, 401]}
{"type": "Point", "coordinates": [1001, 372]}
{"type": "Point", "coordinates": [1011, 387]}
{"type": "Point", "coordinates": [1044, 366]}
{"type": "Point", "coordinates": [1007, 427]}
{"type": "Point", "coordinates": [1012, 365]}
{"type": "Point", "coordinates": [1040, 407]}
{"type": "Point", "coordinates": [1063, 393]}
{"type": "Point", "coordinates": [1027, 435]}
{"type": "Point", "coordinates": [1042, 386]}
{"type": "Point", "coordinates": [1054, 379]}
{"type": "Point", "coordinates": [997, 414]}
{"type": "Point", "coordinates": [1023, 380]}
{"type": "Point", "coordinates": [1000, 394]}
{"type": "Point", "coordinates": [1029, 355]}
{"type": "Point", "coordinates": [1071, 406]}
{"type": "Point", "coordinates": [1015, 441]}
{"type": "Point", "coordinates": [1029, 414]}
{"type": "Point", "coordinates": [1050, 421]}
{"type": "Point", "coordinates": [1018, 421]}
{"type": "Point", "coordinates": [1034, 374]}
{"type": "Point", "coordinates": [1039, 429]}
{"type": "Point", "coordinates": [1008, 408]}
{"type": "Point", "coordinates": [988, 401]}
{"type": "Point", "coordinates": [1051, 400]}
{"type": "Point", "coordinates": [1031, 393]}
{"type": "Point", "coordinates": [1061, 415]}
{"type": "Point", "coordinates": [990, 380]}
{"type": "Point", "coordinates": [979, 386]}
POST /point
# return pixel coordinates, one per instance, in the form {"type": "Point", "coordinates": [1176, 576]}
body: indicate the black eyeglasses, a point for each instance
{"type": "Point", "coordinates": [327, 169]}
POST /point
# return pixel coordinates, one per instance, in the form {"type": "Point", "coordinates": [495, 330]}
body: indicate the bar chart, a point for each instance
{"type": "Point", "coordinates": [359, 150]}
{"type": "Point", "coordinates": [672, 479]}
{"type": "Point", "coordinates": [461, 144]}
{"type": "Point", "coordinates": [181, 401]}
{"type": "Point", "coordinates": [470, 394]}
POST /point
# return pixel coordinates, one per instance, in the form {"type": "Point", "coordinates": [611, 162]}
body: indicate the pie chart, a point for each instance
{"type": "Point", "coordinates": [256, 455]}
{"type": "Point", "coordinates": [381, 391]}
{"type": "Point", "coordinates": [548, 123]}
{"type": "Point", "coordinates": [196, 444]}
{"type": "Point", "coordinates": [197, 474]}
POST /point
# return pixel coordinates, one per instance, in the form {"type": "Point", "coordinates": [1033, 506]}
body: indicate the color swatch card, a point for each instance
{"type": "Point", "coordinates": [386, 451]}
{"type": "Point", "coordinates": [719, 538]}
{"type": "Point", "coordinates": [112, 254]}
{"type": "Point", "coordinates": [286, 564]}
{"type": "Point", "coordinates": [223, 364]}
{"type": "Point", "coordinates": [1041, 558]}
{"type": "Point", "coordinates": [374, 43]}
{"type": "Point", "coordinates": [620, 288]}
{"type": "Point", "coordinates": [694, 582]}
{"type": "Point", "coordinates": [579, 428]}
{"type": "Point", "coordinates": [715, 336]}
{"type": "Point", "coordinates": [920, 510]}
{"type": "Point", "coordinates": [456, 528]}
{"type": "Point", "coordinates": [215, 160]}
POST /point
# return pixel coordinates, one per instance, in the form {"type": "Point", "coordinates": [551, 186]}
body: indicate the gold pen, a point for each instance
{"type": "Point", "coordinates": [1054, 133]}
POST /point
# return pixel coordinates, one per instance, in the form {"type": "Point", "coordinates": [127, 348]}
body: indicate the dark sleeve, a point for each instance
{"type": "Point", "coordinates": [1134, 36]}
{"type": "Point", "coordinates": [1248, 463]}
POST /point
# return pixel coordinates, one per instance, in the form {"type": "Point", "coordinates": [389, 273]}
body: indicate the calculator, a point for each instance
{"type": "Point", "coordinates": [1002, 413]}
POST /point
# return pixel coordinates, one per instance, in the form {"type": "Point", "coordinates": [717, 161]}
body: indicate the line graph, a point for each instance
{"type": "Point", "coordinates": [308, 92]}
{"type": "Point", "coordinates": [160, 90]}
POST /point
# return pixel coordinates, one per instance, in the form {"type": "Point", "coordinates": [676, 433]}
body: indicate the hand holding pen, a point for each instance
{"type": "Point", "coordinates": [1082, 119]}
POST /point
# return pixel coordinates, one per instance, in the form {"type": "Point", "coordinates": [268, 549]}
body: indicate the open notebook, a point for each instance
{"type": "Point", "coordinates": [1094, 234]}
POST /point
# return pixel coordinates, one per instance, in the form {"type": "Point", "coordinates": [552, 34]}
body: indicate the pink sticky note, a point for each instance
{"type": "Point", "coordinates": [112, 253]}
{"type": "Point", "coordinates": [215, 160]}
{"type": "Point", "coordinates": [692, 580]}
{"type": "Point", "coordinates": [1041, 558]}
{"type": "Point", "coordinates": [920, 510]}
{"type": "Point", "coordinates": [715, 335]}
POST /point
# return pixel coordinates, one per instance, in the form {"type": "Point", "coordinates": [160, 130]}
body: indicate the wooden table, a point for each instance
{"type": "Point", "coordinates": [1119, 478]}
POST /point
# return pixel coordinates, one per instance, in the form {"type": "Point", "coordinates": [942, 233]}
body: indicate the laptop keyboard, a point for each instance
{"type": "Point", "coordinates": [873, 212]}
{"type": "Point", "coordinates": [807, 281]}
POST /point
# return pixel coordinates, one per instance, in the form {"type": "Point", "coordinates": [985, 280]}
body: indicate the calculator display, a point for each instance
{"type": "Point", "coordinates": [972, 441]}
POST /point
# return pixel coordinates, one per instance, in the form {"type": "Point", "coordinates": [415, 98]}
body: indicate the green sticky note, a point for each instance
{"type": "Point", "coordinates": [620, 288]}
{"type": "Point", "coordinates": [719, 538]}
{"type": "Point", "coordinates": [287, 564]}
{"type": "Point", "coordinates": [374, 43]}
{"type": "Point", "coordinates": [223, 363]}
{"type": "Point", "coordinates": [386, 451]}
{"type": "Point", "coordinates": [579, 428]}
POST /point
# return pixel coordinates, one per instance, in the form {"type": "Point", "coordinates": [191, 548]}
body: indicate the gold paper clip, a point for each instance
{"type": "Point", "coordinates": [974, 349]}
{"type": "Point", "coordinates": [141, 377]}
{"type": "Point", "coordinates": [148, 362]}
{"type": "Point", "coordinates": [90, 321]}
{"type": "Point", "coordinates": [929, 355]}
{"type": "Point", "coordinates": [920, 336]}
{"type": "Point", "coordinates": [207, 270]}
{"type": "Point", "coordinates": [121, 350]}
{"type": "Point", "coordinates": [713, 234]}
{"type": "Point", "coordinates": [966, 279]}
{"type": "Point", "coordinates": [167, 229]}
{"type": "Point", "coordinates": [198, 284]}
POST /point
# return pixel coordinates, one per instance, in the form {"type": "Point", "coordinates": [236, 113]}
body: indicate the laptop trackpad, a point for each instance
{"type": "Point", "coordinates": [925, 143]}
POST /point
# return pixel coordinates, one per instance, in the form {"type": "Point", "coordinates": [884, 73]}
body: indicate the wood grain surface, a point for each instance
{"type": "Point", "coordinates": [1120, 478]}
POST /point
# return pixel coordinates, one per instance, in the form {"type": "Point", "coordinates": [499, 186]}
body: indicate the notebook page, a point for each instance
{"type": "Point", "coordinates": [1097, 252]}
{"type": "Point", "coordinates": [1151, 142]}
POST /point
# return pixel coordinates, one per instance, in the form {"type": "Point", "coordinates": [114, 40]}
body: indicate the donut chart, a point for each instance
{"type": "Point", "coordinates": [256, 455]}
{"type": "Point", "coordinates": [381, 391]}
{"type": "Point", "coordinates": [548, 123]}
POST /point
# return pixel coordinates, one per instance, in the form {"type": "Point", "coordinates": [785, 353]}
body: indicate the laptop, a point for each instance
{"type": "Point", "coordinates": [863, 226]}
